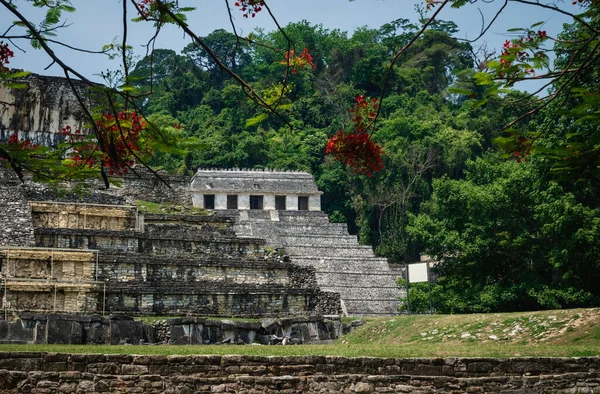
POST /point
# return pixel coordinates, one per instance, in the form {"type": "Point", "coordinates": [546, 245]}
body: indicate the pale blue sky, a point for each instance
{"type": "Point", "coordinates": [98, 22]}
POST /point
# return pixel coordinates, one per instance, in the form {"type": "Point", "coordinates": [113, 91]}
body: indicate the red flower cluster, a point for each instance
{"type": "Point", "coordinates": [144, 7]}
{"type": "Point", "coordinates": [25, 144]}
{"type": "Point", "coordinates": [363, 110]}
{"type": "Point", "coordinates": [520, 50]}
{"type": "Point", "coordinates": [83, 151]}
{"type": "Point", "coordinates": [356, 148]}
{"type": "Point", "coordinates": [250, 7]}
{"type": "Point", "coordinates": [523, 147]}
{"type": "Point", "coordinates": [121, 141]}
{"type": "Point", "coordinates": [297, 62]}
{"type": "Point", "coordinates": [116, 152]}
{"type": "Point", "coordinates": [5, 54]}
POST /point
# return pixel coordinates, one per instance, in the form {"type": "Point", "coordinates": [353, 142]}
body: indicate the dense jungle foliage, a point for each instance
{"type": "Point", "coordinates": [511, 235]}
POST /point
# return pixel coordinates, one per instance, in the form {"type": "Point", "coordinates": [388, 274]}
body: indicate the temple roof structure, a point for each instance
{"type": "Point", "coordinates": [259, 181]}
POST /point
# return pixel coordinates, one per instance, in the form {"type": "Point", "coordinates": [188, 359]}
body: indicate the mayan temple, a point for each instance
{"type": "Point", "coordinates": [241, 242]}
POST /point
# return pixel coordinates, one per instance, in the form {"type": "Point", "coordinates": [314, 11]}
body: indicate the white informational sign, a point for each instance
{"type": "Point", "coordinates": [417, 272]}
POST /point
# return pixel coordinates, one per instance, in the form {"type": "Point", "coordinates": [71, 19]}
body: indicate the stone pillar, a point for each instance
{"type": "Point", "coordinates": [220, 201]}
{"type": "Point", "coordinates": [269, 202]}
{"type": "Point", "coordinates": [291, 202]}
{"type": "Point", "coordinates": [198, 200]}
{"type": "Point", "coordinates": [314, 203]}
{"type": "Point", "coordinates": [244, 201]}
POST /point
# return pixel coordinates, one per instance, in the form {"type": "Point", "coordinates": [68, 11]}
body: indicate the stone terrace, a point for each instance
{"type": "Point", "coordinates": [154, 264]}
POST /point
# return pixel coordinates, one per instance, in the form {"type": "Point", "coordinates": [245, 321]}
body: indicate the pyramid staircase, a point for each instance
{"type": "Point", "coordinates": [365, 282]}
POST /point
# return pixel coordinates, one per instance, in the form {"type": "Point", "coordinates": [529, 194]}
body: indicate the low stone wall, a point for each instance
{"type": "Point", "coordinates": [40, 372]}
{"type": "Point", "coordinates": [95, 329]}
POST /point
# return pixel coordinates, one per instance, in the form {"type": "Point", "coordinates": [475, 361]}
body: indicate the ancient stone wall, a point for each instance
{"type": "Point", "coordinates": [47, 264]}
{"type": "Point", "coordinates": [154, 264]}
{"type": "Point", "coordinates": [16, 227]}
{"type": "Point", "coordinates": [127, 190]}
{"type": "Point", "coordinates": [39, 372]}
{"type": "Point", "coordinates": [48, 280]}
{"type": "Point", "coordinates": [40, 111]}
{"type": "Point", "coordinates": [84, 216]}
{"type": "Point", "coordinates": [157, 264]}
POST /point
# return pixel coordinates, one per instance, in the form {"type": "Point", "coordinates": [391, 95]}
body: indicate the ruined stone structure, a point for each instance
{"type": "Point", "coordinates": [41, 110]}
{"type": "Point", "coordinates": [92, 258]}
{"type": "Point", "coordinates": [94, 329]}
{"type": "Point", "coordinates": [221, 267]}
{"type": "Point", "coordinates": [233, 262]}
{"type": "Point", "coordinates": [365, 282]}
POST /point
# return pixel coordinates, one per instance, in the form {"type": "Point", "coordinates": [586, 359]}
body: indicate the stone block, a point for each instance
{"type": "Point", "coordinates": [132, 369]}
{"type": "Point", "coordinates": [19, 333]}
{"type": "Point", "coordinates": [126, 331]}
{"type": "Point", "coordinates": [95, 333]}
{"type": "Point", "coordinates": [64, 332]}
{"type": "Point", "coordinates": [179, 336]}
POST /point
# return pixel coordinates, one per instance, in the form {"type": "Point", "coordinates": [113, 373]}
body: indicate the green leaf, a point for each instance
{"type": "Point", "coordinates": [482, 78]}
{"type": "Point", "coordinates": [18, 74]}
{"type": "Point", "coordinates": [466, 92]}
{"type": "Point", "coordinates": [256, 120]}
{"type": "Point", "coordinates": [16, 85]}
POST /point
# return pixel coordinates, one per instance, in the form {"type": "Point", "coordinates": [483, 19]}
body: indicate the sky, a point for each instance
{"type": "Point", "coordinates": [98, 22]}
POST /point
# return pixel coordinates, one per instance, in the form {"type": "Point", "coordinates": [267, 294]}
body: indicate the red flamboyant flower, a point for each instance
{"type": "Point", "coordinates": [298, 62]}
{"type": "Point", "coordinates": [18, 146]}
{"type": "Point", "coordinates": [144, 7]}
{"type": "Point", "coordinates": [356, 148]}
{"type": "Point", "coordinates": [5, 54]}
{"type": "Point", "coordinates": [119, 143]}
{"type": "Point", "coordinates": [250, 7]}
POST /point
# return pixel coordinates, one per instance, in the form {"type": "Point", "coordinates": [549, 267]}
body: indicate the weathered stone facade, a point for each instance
{"type": "Point", "coordinates": [16, 227]}
{"type": "Point", "coordinates": [40, 111]}
{"type": "Point", "coordinates": [48, 280]}
{"type": "Point", "coordinates": [90, 373]}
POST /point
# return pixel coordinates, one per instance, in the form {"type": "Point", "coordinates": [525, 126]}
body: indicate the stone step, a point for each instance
{"type": "Point", "coordinates": [359, 251]}
{"type": "Point", "coordinates": [310, 239]}
{"type": "Point", "coordinates": [277, 228]}
{"type": "Point", "coordinates": [131, 242]}
{"type": "Point", "coordinates": [364, 278]}
{"type": "Point", "coordinates": [371, 307]}
{"type": "Point", "coordinates": [343, 264]}
{"type": "Point", "coordinates": [366, 293]}
{"type": "Point", "coordinates": [303, 217]}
